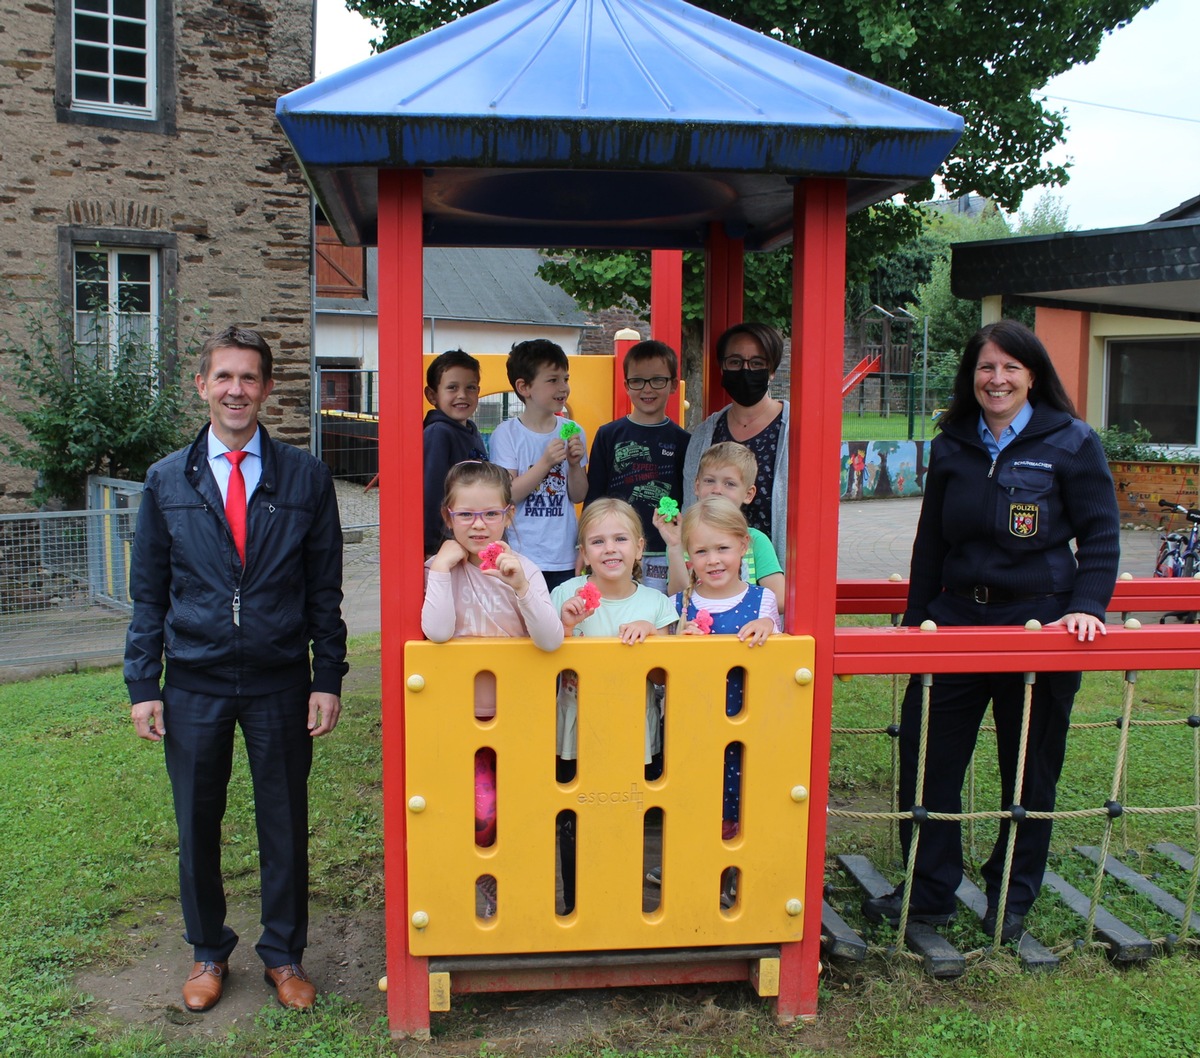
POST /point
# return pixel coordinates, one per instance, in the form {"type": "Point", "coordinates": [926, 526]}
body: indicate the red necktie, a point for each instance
{"type": "Point", "coordinates": [235, 503]}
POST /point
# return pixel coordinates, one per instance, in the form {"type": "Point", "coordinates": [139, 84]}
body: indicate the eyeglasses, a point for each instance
{"type": "Point", "coordinates": [639, 384]}
{"type": "Point", "coordinates": [736, 363]}
{"type": "Point", "coordinates": [490, 516]}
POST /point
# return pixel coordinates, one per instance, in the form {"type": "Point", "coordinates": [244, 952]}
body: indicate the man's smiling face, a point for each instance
{"type": "Point", "coordinates": [234, 390]}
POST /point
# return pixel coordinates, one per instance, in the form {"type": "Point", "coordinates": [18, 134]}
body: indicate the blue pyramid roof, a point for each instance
{"type": "Point", "coordinates": [603, 123]}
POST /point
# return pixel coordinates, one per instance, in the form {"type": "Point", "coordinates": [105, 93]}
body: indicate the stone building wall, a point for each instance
{"type": "Point", "coordinates": [604, 324]}
{"type": "Point", "coordinates": [213, 182]}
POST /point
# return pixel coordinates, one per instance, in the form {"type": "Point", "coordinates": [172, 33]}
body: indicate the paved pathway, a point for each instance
{"type": "Point", "coordinates": [874, 541]}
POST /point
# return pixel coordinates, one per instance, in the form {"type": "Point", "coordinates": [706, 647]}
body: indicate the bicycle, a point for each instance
{"type": "Point", "coordinates": [1179, 554]}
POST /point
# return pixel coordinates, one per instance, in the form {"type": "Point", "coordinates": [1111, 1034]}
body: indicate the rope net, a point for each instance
{"type": "Point", "coordinates": [1157, 794]}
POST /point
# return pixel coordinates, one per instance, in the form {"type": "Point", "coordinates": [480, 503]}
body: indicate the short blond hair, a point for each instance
{"type": "Point", "coordinates": [730, 454]}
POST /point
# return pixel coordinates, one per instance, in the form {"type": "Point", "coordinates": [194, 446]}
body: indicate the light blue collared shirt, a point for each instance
{"type": "Point", "coordinates": [221, 467]}
{"type": "Point", "coordinates": [1007, 435]}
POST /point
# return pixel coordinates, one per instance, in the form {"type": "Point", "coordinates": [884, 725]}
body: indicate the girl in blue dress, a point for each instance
{"type": "Point", "coordinates": [716, 537]}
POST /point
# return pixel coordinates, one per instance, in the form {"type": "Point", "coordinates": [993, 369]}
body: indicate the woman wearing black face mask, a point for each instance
{"type": "Point", "coordinates": [749, 355]}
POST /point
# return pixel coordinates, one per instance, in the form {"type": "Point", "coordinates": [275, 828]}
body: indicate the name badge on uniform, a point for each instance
{"type": "Point", "coordinates": [1023, 519]}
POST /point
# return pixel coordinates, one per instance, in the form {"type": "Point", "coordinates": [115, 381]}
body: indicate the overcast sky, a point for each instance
{"type": "Point", "coordinates": [1133, 115]}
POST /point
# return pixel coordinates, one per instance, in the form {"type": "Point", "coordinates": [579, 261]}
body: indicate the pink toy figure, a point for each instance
{"type": "Point", "coordinates": [485, 797]}
{"type": "Point", "coordinates": [488, 556]}
{"type": "Point", "coordinates": [590, 595]}
{"type": "Point", "coordinates": [704, 621]}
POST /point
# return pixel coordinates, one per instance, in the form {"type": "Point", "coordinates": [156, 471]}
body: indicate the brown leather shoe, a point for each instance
{"type": "Point", "coordinates": [292, 986]}
{"type": "Point", "coordinates": [203, 987]}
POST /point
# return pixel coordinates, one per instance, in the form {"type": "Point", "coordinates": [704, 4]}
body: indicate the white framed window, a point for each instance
{"type": "Point", "coordinates": [113, 59]}
{"type": "Point", "coordinates": [116, 305]}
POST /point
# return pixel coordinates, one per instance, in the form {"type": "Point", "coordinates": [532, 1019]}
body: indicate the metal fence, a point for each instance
{"type": "Point", "coordinates": [64, 587]}
{"type": "Point", "coordinates": [64, 582]}
{"type": "Point", "coordinates": [348, 423]}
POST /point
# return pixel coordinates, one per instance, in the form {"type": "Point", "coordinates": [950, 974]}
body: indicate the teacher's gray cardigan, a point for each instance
{"type": "Point", "coordinates": [702, 439]}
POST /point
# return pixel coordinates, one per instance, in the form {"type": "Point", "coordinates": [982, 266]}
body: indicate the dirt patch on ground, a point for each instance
{"type": "Point", "coordinates": [345, 956]}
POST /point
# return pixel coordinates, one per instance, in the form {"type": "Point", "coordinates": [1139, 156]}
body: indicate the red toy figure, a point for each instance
{"type": "Point", "coordinates": [488, 556]}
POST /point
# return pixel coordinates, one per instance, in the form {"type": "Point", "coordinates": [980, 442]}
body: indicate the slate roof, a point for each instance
{"type": "Point", "coordinates": [603, 123]}
{"type": "Point", "coordinates": [497, 285]}
{"type": "Point", "coordinates": [1149, 270]}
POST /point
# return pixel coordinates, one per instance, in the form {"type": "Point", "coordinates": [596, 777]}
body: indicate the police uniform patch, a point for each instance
{"type": "Point", "coordinates": [1023, 519]}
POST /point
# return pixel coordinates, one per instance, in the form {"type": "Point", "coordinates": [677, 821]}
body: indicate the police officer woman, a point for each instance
{"type": "Point", "coordinates": [1013, 478]}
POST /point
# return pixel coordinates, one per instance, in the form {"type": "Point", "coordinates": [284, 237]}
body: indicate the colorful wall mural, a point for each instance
{"type": "Point", "coordinates": [880, 469]}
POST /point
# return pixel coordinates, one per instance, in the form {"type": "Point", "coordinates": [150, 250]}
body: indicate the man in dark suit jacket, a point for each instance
{"type": "Point", "coordinates": [236, 571]}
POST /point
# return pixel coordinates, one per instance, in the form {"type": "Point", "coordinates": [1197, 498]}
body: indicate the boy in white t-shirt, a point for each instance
{"type": "Point", "coordinates": [545, 454]}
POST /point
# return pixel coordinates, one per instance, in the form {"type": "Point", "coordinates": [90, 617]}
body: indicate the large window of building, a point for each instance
{"type": "Point", "coordinates": [1155, 382]}
{"type": "Point", "coordinates": [113, 57]}
{"type": "Point", "coordinates": [116, 62]}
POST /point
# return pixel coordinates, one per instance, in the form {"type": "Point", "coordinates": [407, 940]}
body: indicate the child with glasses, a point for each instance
{"type": "Point", "coordinates": [639, 457]}
{"type": "Point", "coordinates": [476, 585]}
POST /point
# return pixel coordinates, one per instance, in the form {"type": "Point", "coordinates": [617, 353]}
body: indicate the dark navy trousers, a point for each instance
{"type": "Point", "coordinates": [199, 758]}
{"type": "Point", "coordinates": [958, 704]}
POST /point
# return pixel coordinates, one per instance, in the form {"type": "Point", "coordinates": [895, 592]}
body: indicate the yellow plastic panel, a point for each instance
{"type": "Point", "coordinates": [609, 794]}
{"type": "Point", "coordinates": [590, 403]}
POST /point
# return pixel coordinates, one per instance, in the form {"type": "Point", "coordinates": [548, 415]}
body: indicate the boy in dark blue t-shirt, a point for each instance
{"type": "Point", "coordinates": [639, 457]}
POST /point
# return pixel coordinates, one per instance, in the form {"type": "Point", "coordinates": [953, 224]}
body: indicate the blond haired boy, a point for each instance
{"type": "Point", "coordinates": [727, 469]}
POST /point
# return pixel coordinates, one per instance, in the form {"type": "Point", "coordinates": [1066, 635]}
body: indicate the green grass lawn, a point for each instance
{"type": "Point", "coordinates": [88, 846]}
{"type": "Point", "coordinates": [871, 426]}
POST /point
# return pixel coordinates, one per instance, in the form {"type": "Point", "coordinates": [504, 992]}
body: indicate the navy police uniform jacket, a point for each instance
{"type": "Point", "coordinates": [1009, 524]}
{"type": "Point", "coordinates": [186, 579]}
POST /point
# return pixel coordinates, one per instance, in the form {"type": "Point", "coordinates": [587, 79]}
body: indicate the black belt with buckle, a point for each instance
{"type": "Point", "coordinates": [983, 594]}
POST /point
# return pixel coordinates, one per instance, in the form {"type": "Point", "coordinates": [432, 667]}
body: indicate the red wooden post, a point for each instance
{"type": "Point", "coordinates": [724, 282]}
{"type": "Point", "coordinates": [666, 296]}
{"type": "Point", "coordinates": [400, 465]}
{"type": "Point", "coordinates": [818, 293]}
{"type": "Point", "coordinates": [666, 309]}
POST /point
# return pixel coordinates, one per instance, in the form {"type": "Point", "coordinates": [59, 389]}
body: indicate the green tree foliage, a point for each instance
{"type": "Point", "coordinates": [952, 320]}
{"type": "Point", "coordinates": [986, 62]}
{"type": "Point", "coordinates": [79, 416]}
